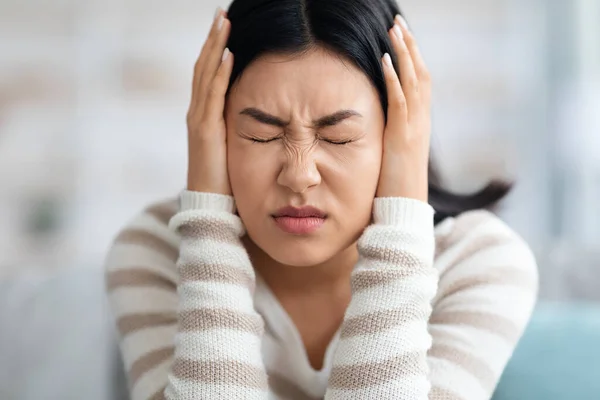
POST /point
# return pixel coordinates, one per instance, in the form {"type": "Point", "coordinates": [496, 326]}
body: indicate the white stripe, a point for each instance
{"type": "Point", "coordinates": [481, 344]}
{"type": "Point", "coordinates": [404, 388]}
{"type": "Point", "coordinates": [180, 389]}
{"type": "Point", "coordinates": [395, 296]}
{"type": "Point", "coordinates": [140, 343]}
{"type": "Point", "coordinates": [470, 268]}
{"type": "Point", "coordinates": [509, 255]}
{"type": "Point", "coordinates": [152, 381]}
{"type": "Point", "coordinates": [453, 377]}
{"type": "Point", "coordinates": [208, 295]}
{"type": "Point", "coordinates": [134, 300]}
{"type": "Point", "coordinates": [127, 256]}
{"type": "Point", "coordinates": [219, 344]}
{"type": "Point", "coordinates": [384, 345]}
{"type": "Point", "coordinates": [206, 251]}
{"type": "Point", "coordinates": [512, 303]}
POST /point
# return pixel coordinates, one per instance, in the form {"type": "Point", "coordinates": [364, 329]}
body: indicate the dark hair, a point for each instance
{"type": "Point", "coordinates": [357, 31]}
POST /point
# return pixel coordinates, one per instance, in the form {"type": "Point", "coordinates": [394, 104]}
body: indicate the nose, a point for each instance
{"type": "Point", "coordinates": [299, 174]}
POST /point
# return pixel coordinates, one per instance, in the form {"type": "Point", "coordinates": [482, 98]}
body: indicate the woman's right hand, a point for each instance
{"type": "Point", "coordinates": [207, 162]}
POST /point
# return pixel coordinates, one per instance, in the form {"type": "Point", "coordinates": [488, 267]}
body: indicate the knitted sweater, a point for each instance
{"type": "Point", "coordinates": [435, 313]}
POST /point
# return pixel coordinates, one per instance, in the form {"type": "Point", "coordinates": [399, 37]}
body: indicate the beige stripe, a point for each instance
{"type": "Point", "coordinates": [472, 248]}
{"type": "Point", "coordinates": [146, 239]}
{"type": "Point", "coordinates": [207, 228]}
{"type": "Point", "coordinates": [493, 323]}
{"type": "Point", "coordinates": [463, 224]}
{"type": "Point", "coordinates": [149, 361]}
{"type": "Point", "coordinates": [364, 280]}
{"type": "Point", "coordinates": [220, 274]}
{"type": "Point", "coordinates": [205, 319]}
{"type": "Point", "coordinates": [509, 276]}
{"type": "Point", "coordinates": [437, 393]}
{"type": "Point", "coordinates": [164, 211]}
{"type": "Point", "coordinates": [132, 323]}
{"type": "Point", "coordinates": [376, 252]}
{"type": "Point", "coordinates": [221, 372]}
{"type": "Point", "coordinates": [287, 389]}
{"type": "Point", "coordinates": [476, 367]}
{"type": "Point", "coordinates": [373, 323]}
{"type": "Point", "coordinates": [138, 277]}
{"type": "Point", "coordinates": [160, 395]}
{"type": "Point", "coordinates": [360, 376]}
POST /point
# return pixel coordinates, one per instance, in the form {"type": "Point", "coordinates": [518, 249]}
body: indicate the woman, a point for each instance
{"type": "Point", "coordinates": [327, 277]}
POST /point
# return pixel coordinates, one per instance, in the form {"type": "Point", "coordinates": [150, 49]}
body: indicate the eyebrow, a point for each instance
{"type": "Point", "coordinates": [323, 122]}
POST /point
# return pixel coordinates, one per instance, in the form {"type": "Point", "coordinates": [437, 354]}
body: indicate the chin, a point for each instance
{"type": "Point", "coordinates": [299, 252]}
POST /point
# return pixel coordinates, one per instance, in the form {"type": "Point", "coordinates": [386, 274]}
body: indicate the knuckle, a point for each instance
{"type": "Point", "coordinates": [403, 51]}
{"type": "Point", "coordinates": [398, 102]}
{"type": "Point", "coordinates": [413, 84]}
{"type": "Point", "coordinates": [217, 87]}
{"type": "Point", "coordinates": [193, 123]}
{"type": "Point", "coordinates": [213, 90]}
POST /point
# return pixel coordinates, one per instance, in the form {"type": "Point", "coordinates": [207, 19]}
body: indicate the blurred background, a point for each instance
{"type": "Point", "coordinates": [93, 97]}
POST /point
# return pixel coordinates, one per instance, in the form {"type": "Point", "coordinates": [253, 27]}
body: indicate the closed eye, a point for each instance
{"type": "Point", "coordinates": [255, 140]}
{"type": "Point", "coordinates": [341, 142]}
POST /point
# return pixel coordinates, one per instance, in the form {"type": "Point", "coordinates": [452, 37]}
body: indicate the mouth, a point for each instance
{"type": "Point", "coordinates": [299, 221]}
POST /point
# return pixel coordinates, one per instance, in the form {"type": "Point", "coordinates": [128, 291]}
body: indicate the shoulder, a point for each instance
{"type": "Point", "coordinates": [481, 244]}
{"type": "Point", "coordinates": [145, 249]}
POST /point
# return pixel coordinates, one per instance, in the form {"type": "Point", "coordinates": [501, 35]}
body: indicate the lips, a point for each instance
{"type": "Point", "coordinates": [299, 221]}
{"type": "Point", "coordinates": [303, 212]}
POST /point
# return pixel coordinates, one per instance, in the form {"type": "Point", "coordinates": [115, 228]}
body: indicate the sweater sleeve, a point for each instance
{"type": "Point", "coordinates": [382, 353]}
{"type": "Point", "coordinates": [183, 303]}
{"type": "Point", "coordinates": [218, 341]}
{"type": "Point", "coordinates": [395, 345]}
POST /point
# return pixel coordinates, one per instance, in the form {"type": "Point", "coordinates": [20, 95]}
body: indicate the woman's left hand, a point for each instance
{"type": "Point", "coordinates": [404, 167]}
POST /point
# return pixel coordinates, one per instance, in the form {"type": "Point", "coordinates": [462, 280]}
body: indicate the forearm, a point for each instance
{"type": "Point", "coordinates": [384, 339]}
{"type": "Point", "coordinates": [218, 343]}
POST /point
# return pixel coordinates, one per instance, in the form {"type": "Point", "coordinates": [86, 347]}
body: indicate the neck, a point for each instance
{"type": "Point", "coordinates": [331, 276]}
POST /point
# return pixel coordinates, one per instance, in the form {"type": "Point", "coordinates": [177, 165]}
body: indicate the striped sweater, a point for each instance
{"type": "Point", "coordinates": [435, 313]}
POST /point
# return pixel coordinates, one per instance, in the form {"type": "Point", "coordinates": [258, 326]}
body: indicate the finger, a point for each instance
{"type": "Point", "coordinates": [421, 69]}
{"type": "Point", "coordinates": [408, 76]}
{"type": "Point", "coordinates": [215, 101]}
{"type": "Point", "coordinates": [213, 58]}
{"type": "Point", "coordinates": [397, 107]}
{"type": "Point", "coordinates": [206, 48]}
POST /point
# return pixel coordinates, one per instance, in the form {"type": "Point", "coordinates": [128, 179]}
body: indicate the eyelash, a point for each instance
{"type": "Point", "coordinates": [263, 141]}
{"type": "Point", "coordinates": [273, 139]}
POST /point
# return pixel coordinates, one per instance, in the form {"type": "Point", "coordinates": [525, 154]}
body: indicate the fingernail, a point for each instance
{"type": "Point", "coordinates": [402, 21]}
{"type": "Point", "coordinates": [398, 32]}
{"type": "Point", "coordinates": [225, 55]}
{"type": "Point", "coordinates": [217, 13]}
{"type": "Point", "coordinates": [220, 23]}
{"type": "Point", "coordinates": [387, 59]}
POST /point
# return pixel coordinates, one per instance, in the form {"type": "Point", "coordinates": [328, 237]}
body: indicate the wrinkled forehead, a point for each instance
{"type": "Point", "coordinates": [313, 80]}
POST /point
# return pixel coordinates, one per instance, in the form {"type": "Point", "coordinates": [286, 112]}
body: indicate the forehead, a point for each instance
{"type": "Point", "coordinates": [317, 78]}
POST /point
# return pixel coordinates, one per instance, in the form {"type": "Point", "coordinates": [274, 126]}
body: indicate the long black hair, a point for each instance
{"type": "Point", "coordinates": [357, 30]}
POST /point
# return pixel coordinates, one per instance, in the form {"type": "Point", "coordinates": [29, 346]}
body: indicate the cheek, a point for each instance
{"type": "Point", "coordinates": [251, 171]}
{"type": "Point", "coordinates": [356, 173]}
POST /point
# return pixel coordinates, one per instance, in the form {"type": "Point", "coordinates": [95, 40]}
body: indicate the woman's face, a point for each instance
{"type": "Point", "coordinates": [304, 131]}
